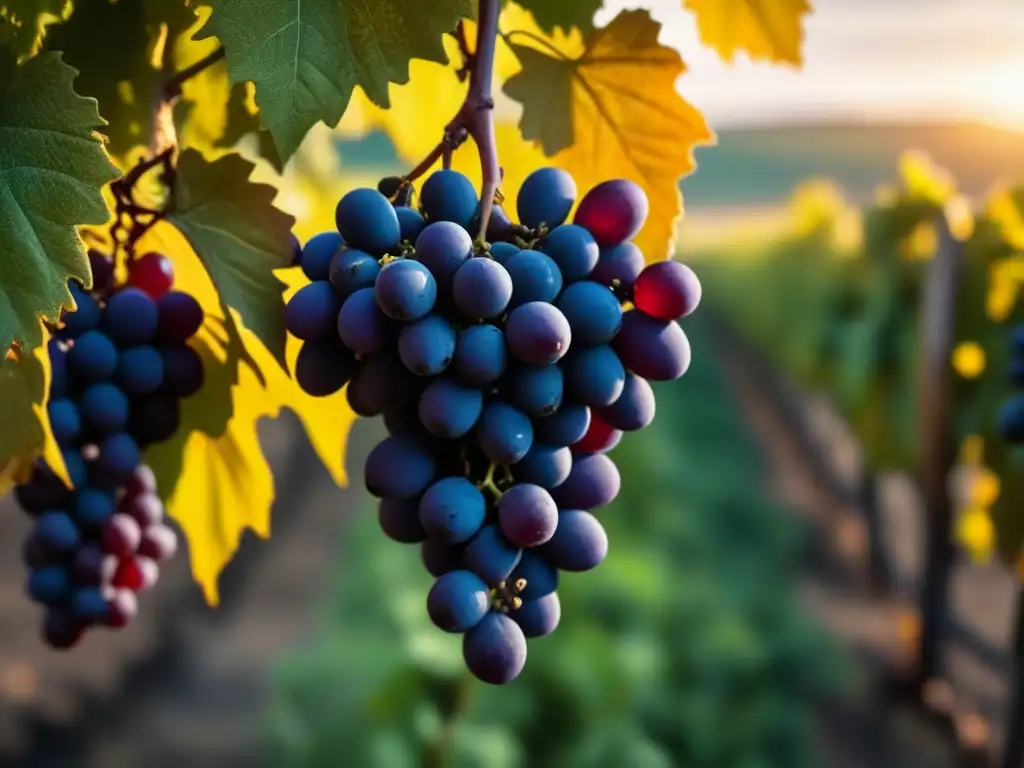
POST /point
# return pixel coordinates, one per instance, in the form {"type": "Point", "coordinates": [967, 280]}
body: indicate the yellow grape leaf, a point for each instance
{"type": "Point", "coordinates": [976, 532]}
{"type": "Point", "coordinates": [969, 359]}
{"type": "Point", "coordinates": [26, 434]}
{"type": "Point", "coordinates": [605, 106]}
{"type": "Point", "coordinates": [770, 30]}
{"type": "Point", "coordinates": [213, 474]}
{"type": "Point", "coordinates": [923, 180]}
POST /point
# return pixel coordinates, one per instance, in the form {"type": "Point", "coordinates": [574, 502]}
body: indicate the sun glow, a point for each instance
{"type": "Point", "coordinates": [1003, 90]}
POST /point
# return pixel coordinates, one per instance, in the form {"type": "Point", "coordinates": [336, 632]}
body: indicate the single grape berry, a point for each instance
{"type": "Point", "coordinates": [593, 482]}
{"type": "Point", "coordinates": [152, 273]}
{"type": "Point", "coordinates": [527, 514]}
{"type": "Point", "coordinates": [443, 247]}
{"type": "Point", "coordinates": [619, 266]}
{"type": "Point", "coordinates": [482, 288]}
{"type": "Point", "coordinates": [179, 317]}
{"type": "Point", "coordinates": [405, 290]}
{"type": "Point", "coordinates": [613, 211]}
{"type": "Point", "coordinates": [495, 649]}
{"type": "Point", "coordinates": [449, 196]}
{"type": "Point", "coordinates": [537, 333]}
{"type": "Point", "coordinates": [367, 220]}
{"type": "Point", "coordinates": [458, 601]}
{"type": "Point", "coordinates": [539, 617]}
{"type": "Point", "coordinates": [452, 510]}
{"type": "Point", "coordinates": [667, 290]}
{"type": "Point", "coordinates": [656, 349]}
{"type": "Point", "coordinates": [491, 556]}
{"type": "Point", "coordinates": [573, 249]}
{"type": "Point", "coordinates": [352, 269]}
{"type": "Point", "coordinates": [318, 253]}
{"type": "Point", "coordinates": [546, 197]}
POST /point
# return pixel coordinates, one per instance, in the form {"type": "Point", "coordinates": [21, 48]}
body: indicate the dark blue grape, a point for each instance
{"type": "Point", "coordinates": [537, 333]}
{"type": "Point", "coordinates": [131, 317]}
{"type": "Point", "coordinates": [56, 533]}
{"type": "Point", "coordinates": [410, 222]}
{"type": "Point", "coordinates": [78, 473]}
{"type": "Point", "coordinates": [442, 248]}
{"type": "Point", "coordinates": [65, 420]}
{"type": "Point", "coordinates": [535, 277]}
{"type": "Point", "coordinates": [449, 409]}
{"type": "Point", "coordinates": [92, 566]}
{"type": "Point", "coordinates": [405, 290]}
{"type": "Point", "coordinates": [93, 507]}
{"type": "Point", "coordinates": [155, 418]}
{"type": "Point", "coordinates": [457, 601]}
{"type": "Point", "coordinates": [566, 426]}
{"type": "Point", "coordinates": [363, 326]}
{"type": "Point", "coordinates": [400, 467]}
{"type": "Point", "coordinates": [499, 226]}
{"type": "Point", "coordinates": [541, 577]}
{"type": "Point", "coordinates": [367, 220]}
{"type": "Point", "coordinates": [183, 370]}
{"type": "Point", "coordinates": [119, 456]}
{"type": "Point", "coordinates": [579, 544]}
{"type": "Point", "coordinates": [427, 346]}
{"type": "Point", "coordinates": [619, 266]}
{"type": "Point", "coordinates": [573, 249]}
{"type": "Point", "coordinates": [449, 196]}
{"type": "Point", "coordinates": [1015, 371]}
{"type": "Point", "coordinates": [634, 408]}
{"type": "Point", "coordinates": [527, 514]}
{"type": "Point", "coordinates": [480, 354]}
{"type": "Point", "coordinates": [491, 556]}
{"type": "Point", "coordinates": [1017, 339]}
{"type": "Point", "coordinates": [49, 584]}
{"type": "Point", "coordinates": [318, 252]}
{"type": "Point", "coordinates": [296, 248]}
{"type": "Point", "coordinates": [546, 197]}
{"type": "Point", "coordinates": [538, 618]}
{"type": "Point", "coordinates": [593, 312]}
{"type": "Point", "coordinates": [179, 317]}
{"type": "Point", "coordinates": [536, 390]}
{"type": "Point", "coordinates": [504, 433]}
{"type": "Point", "coordinates": [352, 269]}
{"type": "Point", "coordinates": [93, 357]}
{"type": "Point", "coordinates": [140, 371]}
{"type": "Point", "coordinates": [59, 368]}
{"type": "Point", "coordinates": [1011, 419]}
{"type": "Point", "coordinates": [104, 408]}
{"type": "Point", "coordinates": [658, 350]}
{"type": "Point", "coordinates": [495, 649]}
{"type": "Point", "coordinates": [60, 629]}
{"type": "Point", "coordinates": [452, 510]}
{"type": "Point", "coordinates": [312, 313]}
{"type": "Point", "coordinates": [405, 418]}
{"type": "Point", "coordinates": [89, 605]}
{"type": "Point", "coordinates": [545, 465]}
{"type": "Point", "coordinates": [594, 376]}
{"type": "Point", "coordinates": [482, 288]}
{"type": "Point", "coordinates": [400, 520]}
{"type": "Point", "coordinates": [102, 272]}
{"type": "Point", "coordinates": [439, 558]}
{"type": "Point", "coordinates": [86, 315]}
{"type": "Point", "coordinates": [381, 384]}
{"type": "Point", "coordinates": [42, 492]}
{"type": "Point", "coordinates": [323, 367]}
{"type": "Point", "coordinates": [502, 252]}
{"type": "Point", "coordinates": [593, 482]}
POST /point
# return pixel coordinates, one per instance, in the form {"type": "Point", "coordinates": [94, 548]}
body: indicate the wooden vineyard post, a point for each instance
{"type": "Point", "coordinates": [936, 450]}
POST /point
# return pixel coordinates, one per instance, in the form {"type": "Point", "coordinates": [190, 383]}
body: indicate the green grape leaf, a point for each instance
{"type": "Point", "coordinates": [52, 171]}
{"type": "Point", "coordinates": [23, 23]}
{"type": "Point", "coordinates": [112, 45]}
{"type": "Point", "coordinates": [306, 56]}
{"type": "Point", "coordinates": [565, 14]}
{"type": "Point", "coordinates": [239, 236]}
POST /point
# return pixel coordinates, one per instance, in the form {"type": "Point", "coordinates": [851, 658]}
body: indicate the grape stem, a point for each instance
{"type": "Point", "coordinates": [475, 118]}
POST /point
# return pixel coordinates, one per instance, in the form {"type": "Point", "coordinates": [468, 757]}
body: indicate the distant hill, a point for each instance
{"type": "Point", "coordinates": [761, 166]}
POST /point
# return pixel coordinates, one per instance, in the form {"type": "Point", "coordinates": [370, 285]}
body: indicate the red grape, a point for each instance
{"type": "Point", "coordinates": [146, 509]}
{"type": "Point", "coordinates": [123, 608]}
{"type": "Point", "coordinates": [121, 535]}
{"type": "Point", "coordinates": [158, 543]}
{"type": "Point", "coordinates": [613, 211]}
{"type": "Point", "coordinates": [102, 273]}
{"type": "Point", "coordinates": [667, 290]}
{"type": "Point", "coordinates": [143, 481]}
{"type": "Point", "coordinates": [180, 316]}
{"type": "Point", "coordinates": [129, 575]}
{"type": "Point", "coordinates": [150, 571]}
{"type": "Point", "coordinates": [601, 437]}
{"type": "Point", "coordinates": [152, 273]}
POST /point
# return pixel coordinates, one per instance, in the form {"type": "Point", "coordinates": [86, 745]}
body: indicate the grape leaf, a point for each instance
{"type": "Point", "coordinates": [24, 394]}
{"type": "Point", "coordinates": [612, 110]}
{"type": "Point", "coordinates": [565, 13]}
{"type": "Point", "coordinates": [239, 235]}
{"type": "Point", "coordinates": [23, 23]}
{"type": "Point", "coordinates": [243, 118]}
{"type": "Point", "coordinates": [52, 170]}
{"type": "Point", "coordinates": [212, 473]}
{"type": "Point", "coordinates": [765, 29]}
{"type": "Point", "coordinates": [119, 50]}
{"type": "Point", "coordinates": [307, 57]}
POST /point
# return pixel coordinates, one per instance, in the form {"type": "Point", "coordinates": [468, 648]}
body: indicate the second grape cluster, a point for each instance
{"type": "Point", "coordinates": [505, 373]}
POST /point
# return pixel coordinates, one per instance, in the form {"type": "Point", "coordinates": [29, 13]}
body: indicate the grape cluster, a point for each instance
{"type": "Point", "coordinates": [505, 372]}
{"type": "Point", "coordinates": [121, 364]}
{"type": "Point", "coordinates": [1011, 417]}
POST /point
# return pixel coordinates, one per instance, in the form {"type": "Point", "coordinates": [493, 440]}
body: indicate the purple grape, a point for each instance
{"type": "Point", "coordinates": [183, 370]}
{"type": "Point", "coordinates": [545, 465]}
{"type": "Point", "coordinates": [539, 617]}
{"type": "Point", "coordinates": [439, 558]}
{"type": "Point", "coordinates": [495, 649]}
{"type": "Point", "coordinates": [537, 333]}
{"type": "Point", "coordinates": [658, 350]}
{"type": "Point", "coordinates": [667, 290]}
{"type": "Point", "coordinates": [634, 409]}
{"type": "Point", "coordinates": [399, 467]}
{"type": "Point", "coordinates": [579, 544]}
{"type": "Point", "coordinates": [323, 367]}
{"type": "Point", "coordinates": [400, 520]}
{"type": "Point", "coordinates": [491, 556]}
{"type": "Point", "coordinates": [527, 514]}
{"type": "Point", "coordinates": [482, 288]}
{"type": "Point", "coordinates": [159, 543]}
{"type": "Point", "coordinates": [449, 409]}
{"type": "Point", "coordinates": [61, 630]}
{"type": "Point", "coordinates": [594, 376]}
{"type": "Point", "coordinates": [121, 535]}
{"type": "Point", "coordinates": [122, 608]}
{"type": "Point", "coordinates": [145, 508]}
{"type": "Point", "coordinates": [593, 482]}
{"type": "Point", "coordinates": [179, 317]}
{"type": "Point", "coordinates": [614, 211]}
{"type": "Point", "coordinates": [623, 263]}
{"type": "Point", "coordinates": [443, 247]}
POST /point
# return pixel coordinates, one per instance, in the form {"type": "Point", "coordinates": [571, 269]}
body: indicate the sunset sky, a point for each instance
{"type": "Point", "coordinates": [874, 58]}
